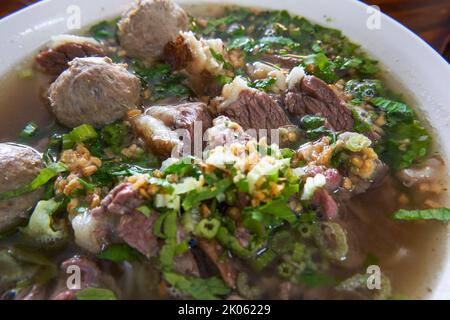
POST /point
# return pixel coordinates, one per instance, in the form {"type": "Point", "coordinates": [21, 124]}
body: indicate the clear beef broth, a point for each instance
{"type": "Point", "coordinates": [410, 254]}
{"type": "Point", "coordinates": [23, 99]}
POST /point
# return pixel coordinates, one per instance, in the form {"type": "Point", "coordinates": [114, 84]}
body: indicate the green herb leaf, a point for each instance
{"type": "Point", "coordinates": [145, 210]}
{"type": "Point", "coordinates": [198, 288]}
{"type": "Point", "coordinates": [280, 209]}
{"type": "Point", "coordinates": [95, 294]}
{"type": "Point", "coordinates": [194, 198]}
{"type": "Point", "coordinates": [219, 58]}
{"type": "Point", "coordinates": [120, 252]}
{"type": "Point", "coordinates": [44, 176]}
{"type": "Point", "coordinates": [406, 143]}
{"type": "Point", "coordinates": [309, 122]}
{"type": "Point", "coordinates": [323, 67]}
{"type": "Point", "coordinates": [263, 84]}
{"type": "Point", "coordinates": [104, 30]}
{"type": "Point", "coordinates": [316, 279]}
{"type": "Point", "coordinates": [81, 133]}
{"type": "Point", "coordinates": [161, 79]}
{"type": "Point", "coordinates": [441, 214]}
{"type": "Point", "coordinates": [365, 89]}
{"type": "Point", "coordinates": [395, 111]}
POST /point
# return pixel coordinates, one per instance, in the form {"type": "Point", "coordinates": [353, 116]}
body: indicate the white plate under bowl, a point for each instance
{"type": "Point", "coordinates": [410, 61]}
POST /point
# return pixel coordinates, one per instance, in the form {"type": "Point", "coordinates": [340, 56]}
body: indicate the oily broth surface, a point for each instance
{"type": "Point", "coordinates": [410, 254]}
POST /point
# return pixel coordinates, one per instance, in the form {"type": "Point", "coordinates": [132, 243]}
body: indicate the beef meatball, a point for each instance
{"type": "Point", "coordinates": [148, 26]}
{"type": "Point", "coordinates": [93, 91]}
{"type": "Point", "coordinates": [19, 165]}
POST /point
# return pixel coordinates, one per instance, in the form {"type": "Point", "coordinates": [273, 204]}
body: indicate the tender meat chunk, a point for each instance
{"type": "Point", "coordinates": [19, 165]}
{"type": "Point", "coordinates": [116, 220]}
{"type": "Point", "coordinates": [177, 53]}
{"type": "Point", "coordinates": [362, 185]}
{"type": "Point", "coordinates": [64, 49]}
{"type": "Point", "coordinates": [325, 203]}
{"type": "Point", "coordinates": [122, 200]}
{"type": "Point", "coordinates": [137, 230]}
{"type": "Point", "coordinates": [183, 116]}
{"type": "Point", "coordinates": [94, 91]}
{"type": "Point", "coordinates": [195, 57]}
{"type": "Point", "coordinates": [214, 252]}
{"type": "Point", "coordinates": [91, 276]}
{"type": "Point", "coordinates": [148, 26]}
{"type": "Point", "coordinates": [313, 96]}
{"type": "Point", "coordinates": [254, 109]}
{"type": "Point", "coordinates": [159, 138]}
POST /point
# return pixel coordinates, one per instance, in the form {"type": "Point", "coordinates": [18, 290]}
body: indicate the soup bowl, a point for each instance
{"type": "Point", "coordinates": [409, 63]}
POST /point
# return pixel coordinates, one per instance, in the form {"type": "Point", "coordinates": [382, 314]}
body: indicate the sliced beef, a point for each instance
{"type": "Point", "coordinates": [117, 220]}
{"type": "Point", "coordinates": [121, 200]}
{"type": "Point", "coordinates": [313, 96]}
{"type": "Point", "coordinates": [55, 60]}
{"type": "Point", "coordinates": [19, 165]}
{"type": "Point", "coordinates": [325, 203]}
{"type": "Point", "coordinates": [254, 109]}
{"type": "Point", "coordinates": [360, 186]}
{"type": "Point", "coordinates": [183, 116]}
{"type": "Point", "coordinates": [137, 231]}
{"type": "Point", "coordinates": [93, 91]}
{"type": "Point", "coordinates": [215, 253]}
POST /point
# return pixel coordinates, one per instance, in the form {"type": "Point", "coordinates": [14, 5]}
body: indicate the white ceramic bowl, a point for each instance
{"type": "Point", "coordinates": [410, 62]}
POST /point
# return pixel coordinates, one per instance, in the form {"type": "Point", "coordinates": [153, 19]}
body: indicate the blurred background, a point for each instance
{"type": "Point", "coordinates": [430, 19]}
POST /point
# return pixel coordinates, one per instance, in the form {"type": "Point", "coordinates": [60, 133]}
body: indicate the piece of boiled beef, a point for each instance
{"type": "Point", "coordinates": [325, 204]}
{"type": "Point", "coordinates": [183, 116]}
{"type": "Point", "coordinates": [159, 138]}
{"type": "Point", "coordinates": [312, 96]}
{"type": "Point", "coordinates": [117, 220]}
{"type": "Point", "coordinates": [224, 265]}
{"type": "Point", "coordinates": [254, 109]}
{"type": "Point", "coordinates": [64, 49]}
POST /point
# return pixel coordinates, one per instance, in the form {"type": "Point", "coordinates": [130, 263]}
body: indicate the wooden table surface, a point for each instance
{"type": "Point", "coordinates": [430, 19]}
